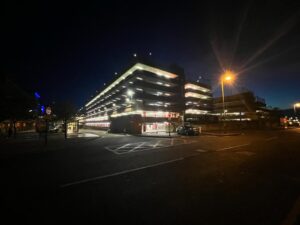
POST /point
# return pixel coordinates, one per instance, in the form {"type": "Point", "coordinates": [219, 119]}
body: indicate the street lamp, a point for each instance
{"type": "Point", "coordinates": [228, 77]}
{"type": "Point", "coordinates": [296, 105]}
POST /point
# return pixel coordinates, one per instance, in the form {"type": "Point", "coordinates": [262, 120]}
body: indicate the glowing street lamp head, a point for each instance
{"type": "Point", "coordinates": [297, 104]}
{"type": "Point", "coordinates": [228, 76]}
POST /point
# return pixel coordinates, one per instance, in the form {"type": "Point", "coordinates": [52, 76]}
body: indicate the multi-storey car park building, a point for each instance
{"type": "Point", "coordinates": [243, 106]}
{"type": "Point", "coordinates": [198, 101]}
{"type": "Point", "coordinates": [147, 99]}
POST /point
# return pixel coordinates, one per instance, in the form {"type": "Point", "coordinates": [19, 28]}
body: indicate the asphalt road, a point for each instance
{"type": "Point", "coordinates": [116, 179]}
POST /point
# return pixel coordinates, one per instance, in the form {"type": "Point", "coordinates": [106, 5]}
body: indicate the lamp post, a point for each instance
{"type": "Point", "coordinates": [227, 77]}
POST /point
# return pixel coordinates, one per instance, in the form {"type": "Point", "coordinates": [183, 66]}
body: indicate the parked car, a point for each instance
{"type": "Point", "coordinates": [187, 130]}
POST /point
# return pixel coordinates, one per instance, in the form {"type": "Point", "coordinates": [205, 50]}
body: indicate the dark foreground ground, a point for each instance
{"type": "Point", "coordinates": [250, 179]}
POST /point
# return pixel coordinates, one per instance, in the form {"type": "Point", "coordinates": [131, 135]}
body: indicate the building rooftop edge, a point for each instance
{"type": "Point", "coordinates": [134, 67]}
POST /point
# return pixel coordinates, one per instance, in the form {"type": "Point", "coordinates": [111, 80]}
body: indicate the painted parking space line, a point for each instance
{"type": "Point", "coordinates": [156, 144]}
{"type": "Point", "coordinates": [137, 147]}
{"type": "Point", "coordinates": [142, 146]}
{"type": "Point", "coordinates": [120, 173]}
{"type": "Point", "coordinates": [127, 148]}
{"type": "Point", "coordinates": [123, 146]}
{"type": "Point", "coordinates": [232, 147]}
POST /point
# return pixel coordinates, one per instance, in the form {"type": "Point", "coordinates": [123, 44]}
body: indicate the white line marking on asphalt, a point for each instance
{"type": "Point", "coordinates": [108, 148]}
{"type": "Point", "coordinates": [137, 147]}
{"type": "Point", "coordinates": [232, 147]}
{"type": "Point", "coordinates": [123, 146]}
{"type": "Point", "coordinates": [271, 138]}
{"type": "Point", "coordinates": [201, 150]}
{"type": "Point", "coordinates": [143, 146]}
{"type": "Point", "coordinates": [120, 173]}
{"type": "Point", "coordinates": [293, 214]}
{"type": "Point", "coordinates": [157, 143]}
{"type": "Point", "coordinates": [113, 151]}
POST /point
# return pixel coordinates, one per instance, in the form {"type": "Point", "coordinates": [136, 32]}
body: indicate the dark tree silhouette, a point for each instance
{"type": "Point", "coordinates": [15, 103]}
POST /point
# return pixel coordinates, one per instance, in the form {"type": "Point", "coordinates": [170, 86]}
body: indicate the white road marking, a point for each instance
{"type": "Point", "coordinates": [120, 173]}
{"type": "Point", "coordinates": [271, 138]}
{"type": "Point", "coordinates": [142, 146]}
{"type": "Point", "coordinates": [137, 147]}
{"type": "Point", "coordinates": [201, 150]}
{"type": "Point", "coordinates": [123, 146]}
{"type": "Point", "coordinates": [293, 214]}
{"type": "Point", "coordinates": [232, 147]}
{"type": "Point", "coordinates": [157, 143]}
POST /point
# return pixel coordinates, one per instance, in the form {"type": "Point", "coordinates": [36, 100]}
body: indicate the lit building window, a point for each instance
{"type": "Point", "coordinates": [195, 111]}
{"type": "Point", "coordinates": [195, 95]}
{"type": "Point", "coordinates": [196, 87]}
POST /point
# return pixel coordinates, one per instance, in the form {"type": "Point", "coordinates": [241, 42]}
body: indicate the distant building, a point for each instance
{"type": "Point", "coordinates": [198, 101]}
{"type": "Point", "coordinates": [146, 98]}
{"type": "Point", "coordinates": [241, 107]}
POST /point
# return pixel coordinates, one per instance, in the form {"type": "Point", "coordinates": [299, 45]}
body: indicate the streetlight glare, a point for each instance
{"type": "Point", "coordinates": [296, 105]}
{"type": "Point", "coordinates": [228, 76]}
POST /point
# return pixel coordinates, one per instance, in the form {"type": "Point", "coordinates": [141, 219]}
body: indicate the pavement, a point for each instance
{"type": "Point", "coordinates": [112, 179]}
{"type": "Point", "coordinates": [159, 134]}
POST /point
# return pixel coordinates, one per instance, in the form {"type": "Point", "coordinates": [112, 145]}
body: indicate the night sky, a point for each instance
{"type": "Point", "coordinates": [69, 50]}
